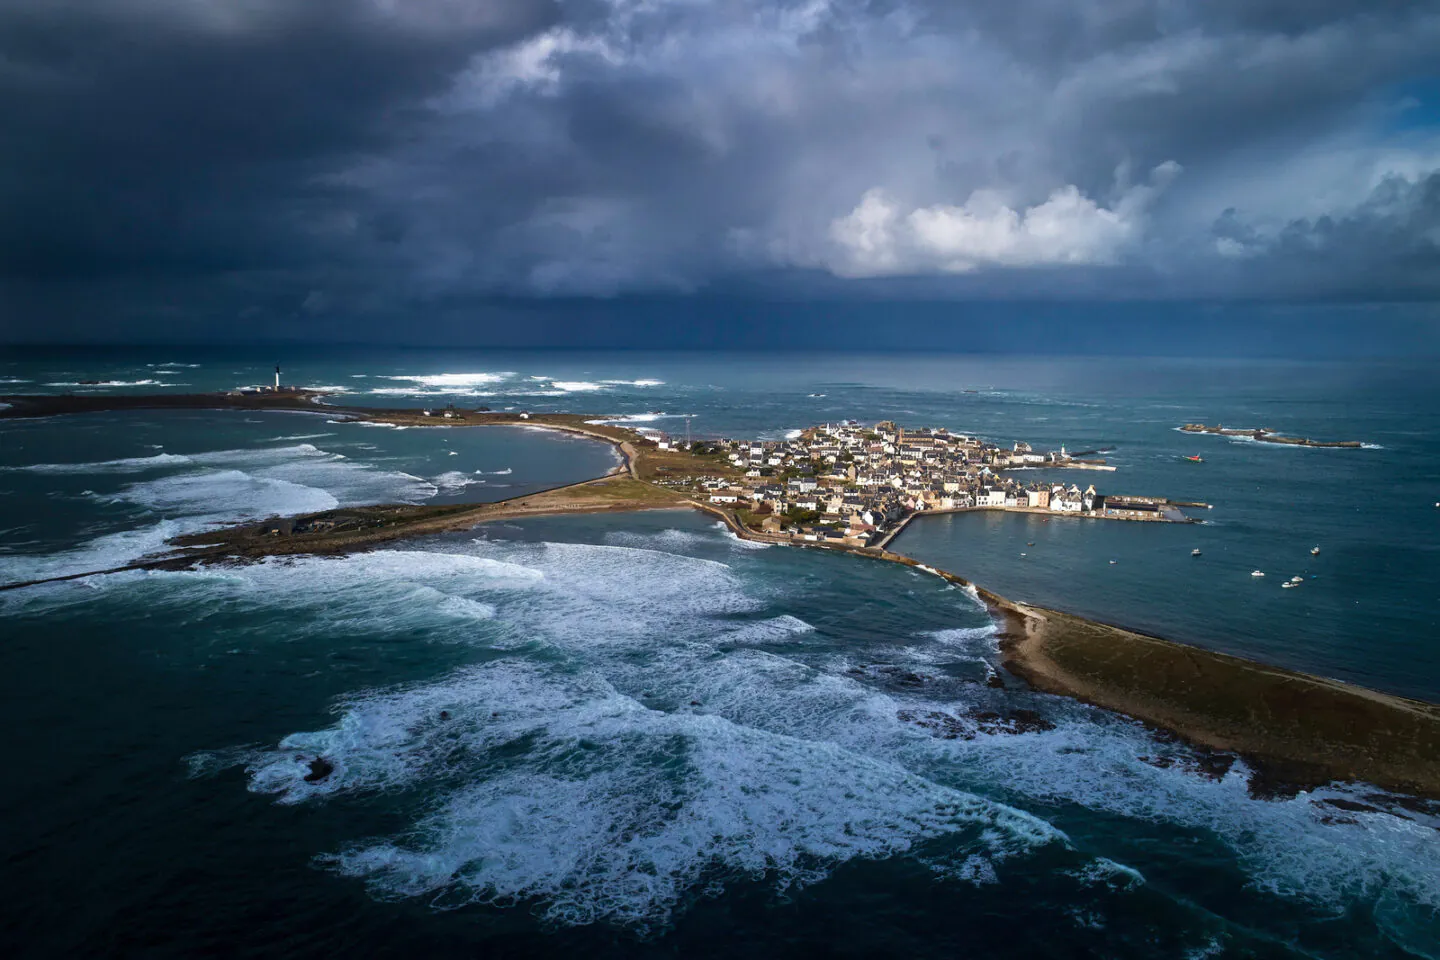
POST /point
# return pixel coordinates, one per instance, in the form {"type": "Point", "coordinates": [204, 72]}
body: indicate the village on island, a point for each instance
{"type": "Point", "coordinates": [842, 485]}
{"type": "Point", "coordinates": [853, 485]}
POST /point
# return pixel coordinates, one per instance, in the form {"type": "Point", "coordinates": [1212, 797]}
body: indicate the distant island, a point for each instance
{"type": "Point", "coordinates": [852, 489]}
{"type": "Point", "coordinates": [1265, 435]}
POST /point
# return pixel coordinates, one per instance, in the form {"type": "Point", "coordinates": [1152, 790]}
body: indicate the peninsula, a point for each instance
{"type": "Point", "coordinates": [1266, 435]}
{"type": "Point", "coordinates": [851, 489]}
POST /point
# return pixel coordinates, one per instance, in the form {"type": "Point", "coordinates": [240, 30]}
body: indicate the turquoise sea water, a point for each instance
{"type": "Point", "coordinates": [637, 735]}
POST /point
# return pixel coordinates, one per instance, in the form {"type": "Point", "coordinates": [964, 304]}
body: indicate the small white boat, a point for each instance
{"type": "Point", "coordinates": [1257, 573]}
{"type": "Point", "coordinates": [1314, 551]}
{"type": "Point", "coordinates": [1297, 579]}
{"type": "Point", "coordinates": [1289, 583]}
{"type": "Point", "coordinates": [1112, 561]}
{"type": "Point", "coordinates": [1195, 552]}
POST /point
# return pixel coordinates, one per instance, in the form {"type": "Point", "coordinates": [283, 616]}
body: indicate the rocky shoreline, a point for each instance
{"type": "Point", "coordinates": [1266, 435]}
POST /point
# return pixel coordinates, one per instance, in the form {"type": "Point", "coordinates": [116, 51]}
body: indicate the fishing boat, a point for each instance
{"type": "Point", "coordinates": [1195, 552]}
{"type": "Point", "coordinates": [1196, 459]}
{"type": "Point", "coordinates": [1314, 550]}
{"type": "Point", "coordinates": [1289, 583]}
{"type": "Point", "coordinates": [1257, 573]}
{"type": "Point", "coordinates": [1297, 579]}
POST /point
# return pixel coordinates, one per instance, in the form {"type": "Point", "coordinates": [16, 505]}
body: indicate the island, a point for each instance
{"type": "Point", "coordinates": [1266, 435]}
{"type": "Point", "coordinates": [851, 489]}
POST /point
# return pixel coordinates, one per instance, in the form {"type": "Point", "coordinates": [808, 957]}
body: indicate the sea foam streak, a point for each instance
{"type": "Point", "coordinates": [125, 465]}
{"type": "Point", "coordinates": [624, 829]}
{"type": "Point", "coordinates": [115, 383]}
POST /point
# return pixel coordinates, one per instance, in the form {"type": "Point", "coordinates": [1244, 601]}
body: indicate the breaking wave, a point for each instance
{"type": "Point", "coordinates": [451, 380]}
{"type": "Point", "coordinates": [649, 725]}
{"type": "Point", "coordinates": [203, 489]}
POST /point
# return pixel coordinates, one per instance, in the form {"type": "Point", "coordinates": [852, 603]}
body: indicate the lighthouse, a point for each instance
{"type": "Point", "coordinates": [277, 378]}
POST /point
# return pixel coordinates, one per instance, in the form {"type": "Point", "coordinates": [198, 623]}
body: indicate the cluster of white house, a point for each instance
{"type": "Point", "coordinates": [848, 482]}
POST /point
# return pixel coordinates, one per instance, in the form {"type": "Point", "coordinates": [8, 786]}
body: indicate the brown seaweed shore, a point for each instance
{"type": "Point", "coordinates": [1296, 731]}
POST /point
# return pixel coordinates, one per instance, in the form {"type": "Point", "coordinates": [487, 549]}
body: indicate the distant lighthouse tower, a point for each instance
{"type": "Point", "coordinates": [277, 378]}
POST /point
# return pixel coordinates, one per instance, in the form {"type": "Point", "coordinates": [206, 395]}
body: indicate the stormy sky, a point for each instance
{"type": "Point", "coordinates": [340, 165]}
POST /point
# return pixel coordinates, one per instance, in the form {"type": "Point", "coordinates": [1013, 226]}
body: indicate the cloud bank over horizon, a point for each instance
{"type": "Point", "coordinates": [252, 159]}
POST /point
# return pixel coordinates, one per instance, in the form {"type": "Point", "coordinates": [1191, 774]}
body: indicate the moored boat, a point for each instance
{"type": "Point", "coordinates": [1257, 573]}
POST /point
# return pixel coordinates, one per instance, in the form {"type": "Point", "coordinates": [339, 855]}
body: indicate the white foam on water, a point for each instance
{"type": "Point", "coordinates": [576, 386]}
{"type": "Point", "coordinates": [229, 485]}
{"type": "Point", "coordinates": [968, 639]}
{"type": "Point", "coordinates": [455, 480]}
{"type": "Point", "coordinates": [638, 418]}
{"type": "Point", "coordinates": [635, 383]}
{"type": "Point", "coordinates": [102, 553]}
{"type": "Point", "coordinates": [1105, 872]}
{"type": "Point", "coordinates": [124, 465]}
{"type": "Point", "coordinates": [738, 542]}
{"type": "Point", "coordinates": [781, 629]}
{"type": "Point", "coordinates": [443, 597]}
{"type": "Point", "coordinates": [611, 811]}
{"type": "Point", "coordinates": [298, 436]}
{"type": "Point", "coordinates": [465, 608]}
{"type": "Point", "coordinates": [668, 540]}
{"type": "Point", "coordinates": [115, 383]}
{"type": "Point", "coordinates": [227, 493]}
{"type": "Point", "coordinates": [637, 741]}
{"type": "Point", "coordinates": [452, 380]}
{"type": "Point", "coordinates": [793, 434]}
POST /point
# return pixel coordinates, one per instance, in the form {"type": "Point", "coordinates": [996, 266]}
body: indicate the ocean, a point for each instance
{"type": "Point", "coordinates": [639, 736]}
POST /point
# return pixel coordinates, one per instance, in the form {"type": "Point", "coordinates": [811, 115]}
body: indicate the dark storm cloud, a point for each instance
{"type": "Point", "coordinates": [323, 158]}
{"type": "Point", "coordinates": [160, 135]}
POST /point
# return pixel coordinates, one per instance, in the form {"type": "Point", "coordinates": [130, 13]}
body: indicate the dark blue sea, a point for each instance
{"type": "Point", "coordinates": [639, 736]}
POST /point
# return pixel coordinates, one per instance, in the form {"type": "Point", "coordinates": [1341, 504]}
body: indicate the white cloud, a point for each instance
{"type": "Point", "coordinates": [533, 64]}
{"type": "Point", "coordinates": [1068, 228]}
{"type": "Point", "coordinates": [1233, 249]}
